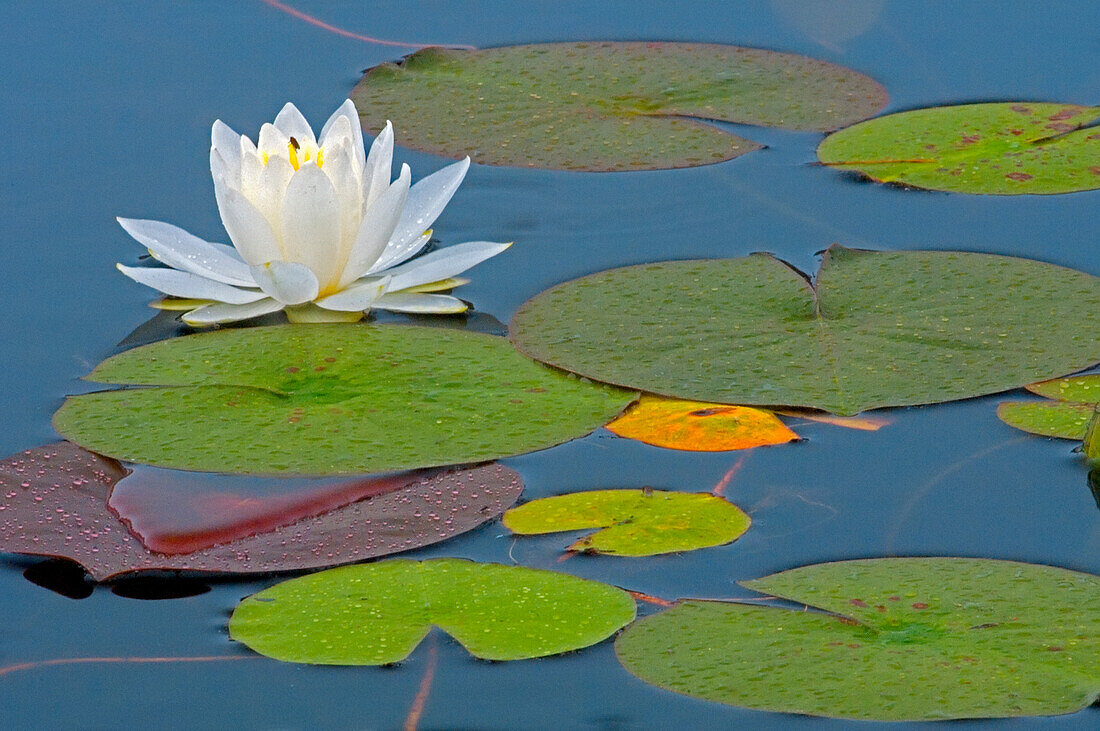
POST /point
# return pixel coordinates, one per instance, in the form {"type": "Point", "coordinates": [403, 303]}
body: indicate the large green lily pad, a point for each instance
{"type": "Point", "coordinates": [1066, 415]}
{"type": "Point", "coordinates": [874, 329]}
{"type": "Point", "coordinates": [1003, 149]}
{"type": "Point", "coordinates": [904, 639]}
{"type": "Point", "coordinates": [330, 399]}
{"type": "Point", "coordinates": [605, 106]}
{"type": "Point", "coordinates": [634, 522]}
{"type": "Point", "coordinates": [375, 614]}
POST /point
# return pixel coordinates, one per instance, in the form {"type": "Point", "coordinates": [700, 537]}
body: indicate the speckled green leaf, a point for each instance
{"type": "Point", "coordinates": [605, 105]}
{"type": "Point", "coordinates": [375, 614]}
{"type": "Point", "coordinates": [330, 399]}
{"type": "Point", "coordinates": [905, 639]}
{"type": "Point", "coordinates": [1062, 419]}
{"type": "Point", "coordinates": [875, 329]}
{"type": "Point", "coordinates": [1082, 389]}
{"type": "Point", "coordinates": [1003, 149]}
{"type": "Point", "coordinates": [634, 522]}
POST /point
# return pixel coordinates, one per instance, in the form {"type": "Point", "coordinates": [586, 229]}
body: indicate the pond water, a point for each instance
{"type": "Point", "coordinates": [107, 109]}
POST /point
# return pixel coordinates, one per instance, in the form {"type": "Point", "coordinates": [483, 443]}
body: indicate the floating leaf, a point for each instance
{"type": "Point", "coordinates": [55, 504]}
{"type": "Point", "coordinates": [875, 329]}
{"type": "Point", "coordinates": [1002, 149]}
{"type": "Point", "coordinates": [696, 426]}
{"type": "Point", "coordinates": [330, 399]}
{"type": "Point", "coordinates": [375, 614]}
{"type": "Point", "coordinates": [635, 522]}
{"type": "Point", "coordinates": [906, 639]}
{"type": "Point", "coordinates": [605, 106]}
{"type": "Point", "coordinates": [1066, 417]}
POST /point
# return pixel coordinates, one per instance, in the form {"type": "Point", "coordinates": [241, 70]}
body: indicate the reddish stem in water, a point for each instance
{"type": "Point", "coordinates": [417, 710]}
{"type": "Point", "coordinates": [31, 665]}
{"type": "Point", "coordinates": [720, 488]}
{"type": "Point", "coordinates": [650, 599]}
{"type": "Point", "coordinates": [294, 12]}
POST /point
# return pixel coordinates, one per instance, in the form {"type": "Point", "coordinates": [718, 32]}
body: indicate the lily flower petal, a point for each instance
{"type": "Point", "coordinates": [358, 297]}
{"type": "Point", "coordinates": [190, 286]}
{"type": "Point", "coordinates": [347, 111]}
{"type": "Point", "coordinates": [395, 255]}
{"type": "Point", "coordinates": [311, 219]}
{"type": "Point", "coordinates": [178, 249]}
{"type": "Point", "coordinates": [427, 199]}
{"type": "Point", "coordinates": [219, 313]}
{"type": "Point", "coordinates": [439, 304]}
{"type": "Point", "coordinates": [376, 172]}
{"type": "Point", "coordinates": [272, 141]}
{"type": "Point", "coordinates": [287, 282]}
{"type": "Point", "coordinates": [442, 264]}
{"type": "Point", "coordinates": [249, 231]}
{"type": "Point", "coordinates": [377, 226]}
{"type": "Point", "coordinates": [291, 122]}
{"type": "Point", "coordinates": [227, 143]}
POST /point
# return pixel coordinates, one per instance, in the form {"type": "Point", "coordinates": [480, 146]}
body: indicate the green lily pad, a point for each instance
{"type": "Point", "coordinates": [874, 329]}
{"type": "Point", "coordinates": [1001, 149]}
{"type": "Point", "coordinates": [1066, 416]}
{"type": "Point", "coordinates": [375, 614]}
{"type": "Point", "coordinates": [634, 522]}
{"type": "Point", "coordinates": [605, 106]}
{"type": "Point", "coordinates": [330, 399]}
{"type": "Point", "coordinates": [905, 639]}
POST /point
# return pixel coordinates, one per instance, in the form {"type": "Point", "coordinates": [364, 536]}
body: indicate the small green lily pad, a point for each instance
{"type": "Point", "coordinates": [903, 639]}
{"type": "Point", "coordinates": [1066, 416]}
{"type": "Point", "coordinates": [605, 106]}
{"type": "Point", "coordinates": [1005, 148]}
{"type": "Point", "coordinates": [634, 522]}
{"type": "Point", "coordinates": [330, 399]}
{"type": "Point", "coordinates": [376, 614]}
{"type": "Point", "coordinates": [873, 329]}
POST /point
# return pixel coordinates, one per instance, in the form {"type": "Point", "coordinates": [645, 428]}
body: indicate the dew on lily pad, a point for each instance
{"type": "Point", "coordinates": [330, 399]}
{"type": "Point", "coordinates": [1005, 148]}
{"type": "Point", "coordinates": [634, 522]}
{"type": "Point", "coordinates": [603, 106]}
{"type": "Point", "coordinates": [53, 502]}
{"type": "Point", "coordinates": [696, 426]}
{"type": "Point", "coordinates": [1066, 415]}
{"type": "Point", "coordinates": [899, 639]}
{"type": "Point", "coordinates": [872, 329]}
{"type": "Point", "coordinates": [376, 614]}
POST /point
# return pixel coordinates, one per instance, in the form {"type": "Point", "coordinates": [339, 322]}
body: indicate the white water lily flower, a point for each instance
{"type": "Point", "coordinates": [317, 228]}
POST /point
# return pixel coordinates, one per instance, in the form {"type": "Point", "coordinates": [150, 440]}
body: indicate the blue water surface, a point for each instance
{"type": "Point", "coordinates": [107, 109]}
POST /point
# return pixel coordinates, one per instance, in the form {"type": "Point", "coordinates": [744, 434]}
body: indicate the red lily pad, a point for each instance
{"type": "Point", "coordinates": [53, 502]}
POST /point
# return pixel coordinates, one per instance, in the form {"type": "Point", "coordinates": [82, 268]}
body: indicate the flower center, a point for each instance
{"type": "Point", "coordinates": [299, 155]}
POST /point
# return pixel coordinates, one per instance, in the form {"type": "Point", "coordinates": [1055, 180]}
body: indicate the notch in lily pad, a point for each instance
{"type": "Point", "coordinates": [634, 522]}
{"type": "Point", "coordinates": [1004, 148]}
{"type": "Point", "coordinates": [606, 106]}
{"type": "Point", "coordinates": [891, 639]}
{"type": "Point", "coordinates": [872, 329]}
{"type": "Point", "coordinates": [1065, 415]}
{"type": "Point", "coordinates": [376, 614]}
{"type": "Point", "coordinates": [330, 399]}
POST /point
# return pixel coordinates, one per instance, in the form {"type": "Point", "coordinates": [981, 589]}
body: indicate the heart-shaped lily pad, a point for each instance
{"type": "Point", "coordinates": [1066, 415]}
{"type": "Point", "coordinates": [604, 106]}
{"type": "Point", "coordinates": [330, 399]}
{"type": "Point", "coordinates": [55, 504]}
{"type": "Point", "coordinates": [375, 614]}
{"type": "Point", "coordinates": [874, 329]}
{"type": "Point", "coordinates": [1003, 149]}
{"type": "Point", "coordinates": [634, 522]}
{"type": "Point", "coordinates": [696, 426]}
{"type": "Point", "coordinates": [904, 639]}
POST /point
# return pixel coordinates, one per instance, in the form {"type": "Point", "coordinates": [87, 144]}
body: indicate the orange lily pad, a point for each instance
{"type": "Point", "coordinates": [697, 426]}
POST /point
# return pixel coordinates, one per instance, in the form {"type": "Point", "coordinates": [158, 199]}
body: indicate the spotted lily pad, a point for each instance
{"type": "Point", "coordinates": [330, 399]}
{"type": "Point", "coordinates": [605, 106]}
{"type": "Point", "coordinates": [1002, 149]}
{"type": "Point", "coordinates": [635, 522]}
{"type": "Point", "coordinates": [1066, 415]}
{"type": "Point", "coordinates": [54, 503]}
{"type": "Point", "coordinates": [376, 614]}
{"type": "Point", "coordinates": [899, 639]}
{"type": "Point", "coordinates": [873, 329]}
{"type": "Point", "coordinates": [696, 426]}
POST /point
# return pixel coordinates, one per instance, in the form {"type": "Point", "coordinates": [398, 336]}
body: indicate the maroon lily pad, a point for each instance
{"type": "Point", "coordinates": [53, 502]}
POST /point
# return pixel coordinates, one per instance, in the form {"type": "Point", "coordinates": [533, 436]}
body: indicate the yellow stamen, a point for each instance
{"type": "Point", "coordinates": [292, 151]}
{"type": "Point", "coordinates": [320, 157]}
